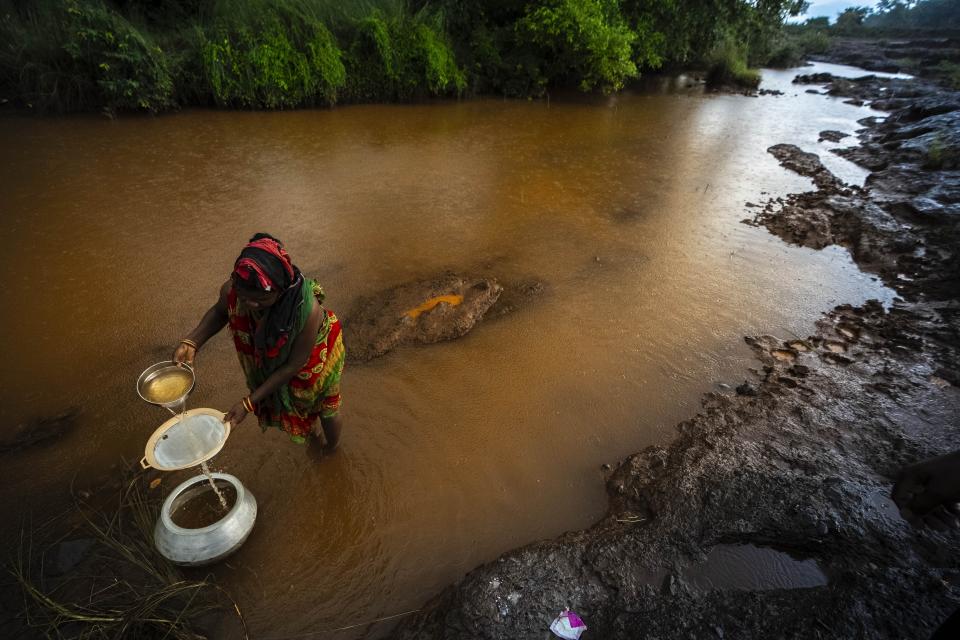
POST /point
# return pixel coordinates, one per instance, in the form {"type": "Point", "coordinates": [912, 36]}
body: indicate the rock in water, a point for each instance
{"type": "Point", "coordinates": [423, 312]}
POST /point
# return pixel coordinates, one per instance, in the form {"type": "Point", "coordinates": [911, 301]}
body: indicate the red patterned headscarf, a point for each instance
{"type": "Point", "coordinates": [264, 265]}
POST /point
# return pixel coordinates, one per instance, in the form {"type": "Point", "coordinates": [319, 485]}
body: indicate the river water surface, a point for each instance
{"type": "Point", "coordinates": [627, 209]}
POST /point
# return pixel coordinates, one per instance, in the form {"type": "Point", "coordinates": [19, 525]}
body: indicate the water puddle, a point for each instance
{"type": "Point", "coordinates": [752, 568]}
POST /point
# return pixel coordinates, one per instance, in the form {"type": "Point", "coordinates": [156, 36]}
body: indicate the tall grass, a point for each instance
{"type": "Point", "coordinates": [84, 54]}
{"type": "Point", "coordinates": [399, 55]}
{"type": "Point", "coordinates": [269, 55]}
{"type": "Point", "coordinates": [123, 588]}
{"type": "Point", "coordinates": [73, 54]}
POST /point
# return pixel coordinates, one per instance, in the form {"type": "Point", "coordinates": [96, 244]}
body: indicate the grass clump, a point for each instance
{"type": "Point", "coordinates": [941, 156]}
{"type": "Point", "coordinates": [727, 66]}
{"type": "Point", "coordinates": [791, 48]}
{"type": "Point", "coordinates": [947, 72]}
{"type": "Point", "coordinates": [122, 588]}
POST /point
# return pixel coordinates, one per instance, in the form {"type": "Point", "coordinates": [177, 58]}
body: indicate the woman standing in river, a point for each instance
{"type": "Point", "coordinates": [290, 347]}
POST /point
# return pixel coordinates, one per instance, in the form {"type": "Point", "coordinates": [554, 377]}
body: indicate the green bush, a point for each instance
{"type": "Point", "coordinates": [791, 48]}
{"type": "Point", "coordinates": [947, 72]}
{"type": "Point", "coordinates": [67, 54]}
{"type": "Point", "coordinates": [728, 66]}
{"type": "Point", "coordinates": [813, 42]}
{"type": "Point", "coordinates": [277, 58]}
{"type": "Point", "coordinates": [787, 54]}
{"type": "Point", "coordinates": [941, 155]}
{"type": "Point", "coordinates": [400, 57]}
{"type": "Point", "coordinates": [586, 40]}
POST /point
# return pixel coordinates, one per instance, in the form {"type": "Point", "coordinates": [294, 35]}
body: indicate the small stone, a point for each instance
{"type": "Point", "coordinates": [746, 389]}
{"type": "Point", "coordinates": [84, 494]}
{"type": "Point", "coordinates": [69, 554]}
{"type": "Point", "coordinates": [605, 466]}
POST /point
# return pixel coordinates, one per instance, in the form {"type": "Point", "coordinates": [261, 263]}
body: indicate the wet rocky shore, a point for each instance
{"type": "Point", "coordinates": [914, 55]}
{"type": "Point", "coordinates": [798, 459]}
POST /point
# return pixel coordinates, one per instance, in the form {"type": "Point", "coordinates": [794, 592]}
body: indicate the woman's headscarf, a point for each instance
{"type": "Point", "coordinates": [265, 266]}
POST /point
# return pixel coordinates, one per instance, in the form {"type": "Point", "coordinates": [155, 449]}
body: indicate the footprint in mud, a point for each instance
{"type": "Point", "coordinates": [848, 332]}
{"type": "Point", "coordinates": [836, 358]}
{"type": "Point", "coordinates": [783, 355]}
{"type": "Point", "coordinates": [799, 370]}
{"type": "Point", "coordinates": [787, 382]}
{"type": "Point", "coordinates": [836, 347]}
{"type": "Point", "coordinates": [799, 345]}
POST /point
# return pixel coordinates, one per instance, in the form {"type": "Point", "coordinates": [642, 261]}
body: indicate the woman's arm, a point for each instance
{"type": "Point", "coordinates": [299, 356]}
{"type": "Point", "coordinates": [210, 324]}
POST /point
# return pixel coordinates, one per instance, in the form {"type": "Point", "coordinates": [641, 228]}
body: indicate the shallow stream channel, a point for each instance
{"type": "Point", "coordinates": [620, 215]}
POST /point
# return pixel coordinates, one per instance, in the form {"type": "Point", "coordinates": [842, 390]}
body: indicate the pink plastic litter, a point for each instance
{"type": "Point", "coordinates": [568, 625]}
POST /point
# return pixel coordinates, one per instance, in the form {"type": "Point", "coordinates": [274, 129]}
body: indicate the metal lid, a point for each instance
{"type": "Point", "coordinates": [186, 440]}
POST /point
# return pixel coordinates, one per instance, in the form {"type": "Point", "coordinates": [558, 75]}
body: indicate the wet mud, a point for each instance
{"type": "Point", "coordinates": [426, 312]}
{"type": "Point", "coordinates": [797, 459]}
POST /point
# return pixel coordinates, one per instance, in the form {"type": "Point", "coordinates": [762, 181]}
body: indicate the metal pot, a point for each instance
{"type": "Point", "coordinates": [194, 547]}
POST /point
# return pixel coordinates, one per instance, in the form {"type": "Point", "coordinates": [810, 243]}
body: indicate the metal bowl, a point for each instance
{"type": "Point", "coordinates": [158, 370]}
{"type": "Point", "coordinates": [195, 547]}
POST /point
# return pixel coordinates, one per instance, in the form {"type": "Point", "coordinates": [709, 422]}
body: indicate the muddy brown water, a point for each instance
{"type": "Point", "coordinates": [206, 507]}
{"type": "Point", "coordinates": [627, 208]}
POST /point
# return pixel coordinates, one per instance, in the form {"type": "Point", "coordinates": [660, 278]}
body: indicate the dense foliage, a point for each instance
{"type": "Point", "coordinates": [154, 54]}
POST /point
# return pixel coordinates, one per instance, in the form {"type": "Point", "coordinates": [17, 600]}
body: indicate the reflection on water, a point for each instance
{"type": "Point", "coordinates": [626, 208]}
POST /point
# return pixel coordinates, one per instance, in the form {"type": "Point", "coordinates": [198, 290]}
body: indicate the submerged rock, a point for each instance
{"type": "Point", "coordinates": [40, 431]}
{"type": "Point", "coordinates": [833, 136]}
{"type": "Point", "coordinates": [423, 312]}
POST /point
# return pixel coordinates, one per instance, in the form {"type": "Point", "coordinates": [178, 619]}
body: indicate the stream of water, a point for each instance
{"type": "Point", "coordinates": [627, 209]}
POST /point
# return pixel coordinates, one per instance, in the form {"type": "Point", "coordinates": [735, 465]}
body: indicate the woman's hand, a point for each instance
{"type": "Point", "coordinates": [236, 415]}
{"type": "Point", "coordinates": [184, 353]}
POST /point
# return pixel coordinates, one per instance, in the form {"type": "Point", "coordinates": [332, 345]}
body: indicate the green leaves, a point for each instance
{"type": "Point", "coordinates": [585, 39]}
{"type": "Point", "coordinates": [278, 61]}
{"type": "Point", "coordinates": [400, 57]}
{"type": "Point", "coordinates": [119, 66]}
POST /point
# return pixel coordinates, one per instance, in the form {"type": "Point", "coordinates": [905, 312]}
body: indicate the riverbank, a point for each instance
{"type": "Point", "coordinates": [936, 58]}
{"type": "Point", "coordinates": [798, 459]}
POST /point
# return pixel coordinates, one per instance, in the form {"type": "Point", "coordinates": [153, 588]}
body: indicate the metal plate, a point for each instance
{"type": "Point", "coordinates": [186, 441]}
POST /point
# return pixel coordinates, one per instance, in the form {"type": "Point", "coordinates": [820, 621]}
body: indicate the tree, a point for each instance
{"type": "Point", "coordinates": [851, 19]}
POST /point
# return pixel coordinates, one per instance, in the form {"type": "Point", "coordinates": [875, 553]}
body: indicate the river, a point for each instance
{"type": "Point", "coordinates": [626, 208]}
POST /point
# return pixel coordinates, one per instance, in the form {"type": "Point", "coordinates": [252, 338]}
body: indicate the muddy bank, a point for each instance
{"type": "Point", "coordinates": [916, 56]}
{"type": "Point", "coordinates": [799, 458]}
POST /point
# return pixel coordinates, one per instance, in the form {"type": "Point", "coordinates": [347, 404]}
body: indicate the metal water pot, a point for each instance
{"type": "Point", "coordinates": [194, 547]}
